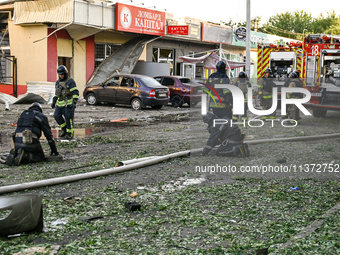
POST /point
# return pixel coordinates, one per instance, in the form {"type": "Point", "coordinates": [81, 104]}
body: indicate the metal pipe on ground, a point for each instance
{"type": "Point", "coordinates": [77, 177]}
{"type": "Point", "coordinates": [143, 163]}
{"type": "Point", "coordinates": [135, 160]}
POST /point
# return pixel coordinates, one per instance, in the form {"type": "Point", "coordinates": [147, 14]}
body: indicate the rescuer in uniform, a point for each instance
{"type": "Point", "coordinates": [293, 111]}
{"type": "Point", "coordinates": [26, 138]}
{"type": "Point", "coordinates": [64, 102]}
{"type": "Point", "coordinates": [265, 86]}
{"type": "Point", "coordinates": [220, 77]}
{"type": "Point", "coordinates": [286, 85]}
{"type": "Point", "coordinates": [243, 83]}
{"type": "Point", "coordinates": [227, 135]}
{"type": "Point", "coordinates": [287, 82]}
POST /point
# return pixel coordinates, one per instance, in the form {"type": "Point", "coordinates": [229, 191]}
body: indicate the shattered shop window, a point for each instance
{"type": "Point", "coordinates": [6, 69]}
{"type": "Point", "coordinates": [104, 50]}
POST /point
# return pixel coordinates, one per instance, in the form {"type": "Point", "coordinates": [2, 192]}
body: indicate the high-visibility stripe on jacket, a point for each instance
{"type": "Point", "coordinates": [265, 86]}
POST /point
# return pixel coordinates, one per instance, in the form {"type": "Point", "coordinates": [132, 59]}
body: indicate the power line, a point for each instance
{"type": "Point", "coordinates": [266, 31]}
{"type": "Point", "coordinates": [284, 31]}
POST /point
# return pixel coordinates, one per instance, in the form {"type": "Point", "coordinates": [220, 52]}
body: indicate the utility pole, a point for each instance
{"type": "Point", "coordinates": [248, 40]}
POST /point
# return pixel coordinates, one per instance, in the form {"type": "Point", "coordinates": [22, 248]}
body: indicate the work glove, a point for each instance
{"type": "Point", "coordinates": [74, 104]}
{"type": "Point", "coordinates": [54, 102]}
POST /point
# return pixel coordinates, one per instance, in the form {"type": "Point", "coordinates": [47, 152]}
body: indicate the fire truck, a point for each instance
{"type": "Point", "coordinates": [317, 59]}
{"type": "Point", "coordinates": [278, 57]}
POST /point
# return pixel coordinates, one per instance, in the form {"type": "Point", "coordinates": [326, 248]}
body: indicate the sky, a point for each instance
{"type": "Point", "coordinates": [217, 10]}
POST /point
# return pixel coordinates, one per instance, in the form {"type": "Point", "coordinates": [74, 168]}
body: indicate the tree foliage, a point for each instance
{"type": "Point", "coordinates": [334, 29]}
{"type": "Point", "coordinates": [295, 24]}
{"type": "Point", "coordinates": [253, 22]}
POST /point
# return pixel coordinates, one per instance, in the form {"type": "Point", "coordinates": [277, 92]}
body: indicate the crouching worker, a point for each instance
{"type": "Point", "coordinates": [228, 136]}
{"type": "Point", "coordinates": [26, 139]}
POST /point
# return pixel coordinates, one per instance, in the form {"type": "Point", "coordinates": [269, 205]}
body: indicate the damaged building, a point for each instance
{"type": "Point", "coordinates": [96, 39]}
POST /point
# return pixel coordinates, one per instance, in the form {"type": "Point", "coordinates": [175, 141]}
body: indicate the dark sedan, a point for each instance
{"type": "Point", "coordinates": [182, 90]}
{"type": "Point", "coordinates": [136, 90]}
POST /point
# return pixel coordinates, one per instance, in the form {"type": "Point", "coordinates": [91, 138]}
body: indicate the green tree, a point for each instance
{"type": "Point", "coordinates": [295, 24]}
{"type": "Point", "coordinates": [335, 28]}
{"type": "Point", "coordinates": [322, 24]}
{"type": "Point", "coordinates": [288, 24]}
{"type": "Point", "coordinates": [253, 22]}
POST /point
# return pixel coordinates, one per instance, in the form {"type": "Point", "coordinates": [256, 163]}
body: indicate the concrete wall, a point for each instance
{"type": "Point", "coordinates": [64, 48]}
{"type": "Point", "coordinates": [31, 57]}
{"type": "Point", "coordinates": [79, 65]}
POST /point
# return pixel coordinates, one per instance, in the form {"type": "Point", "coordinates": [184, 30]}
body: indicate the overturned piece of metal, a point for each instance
{"type": "Point", "coordinates": [132, 206]}
{"type": "Point", "coordinates": [54, 158]}
{"type": "Point", "coordinates": [90, 218]}
{"type": "Point", "coordinates": [21, 213]}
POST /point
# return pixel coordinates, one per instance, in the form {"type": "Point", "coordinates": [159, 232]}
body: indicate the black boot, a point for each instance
{"type": "Point", "coordinates": [10, 157]}
{"type": "Point", "coordinates": [64, 133]}
{"type": "Point", "coordinates": [246, 150]}
{"type": "Point", "coordinates": [20, 157]}
{"type": "Point", "coordinates": [69, 135]}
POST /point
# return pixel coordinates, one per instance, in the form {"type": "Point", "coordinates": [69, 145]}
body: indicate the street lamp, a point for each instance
{"type": "Point", "coordinates": [248, 40]}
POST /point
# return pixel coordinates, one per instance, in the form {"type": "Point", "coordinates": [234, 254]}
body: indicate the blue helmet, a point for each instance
{"type": "Point", "coordinates": [268, 70]}
{"type": "Point", "coordinates": [220, 66]}
{"type": "Point", "coordinates": [297, 73]}
{"type": "Point", "coordinates": [242, 75]}
{"type": "Point", "coordinates": [293, 75]}
{"type": "Point", "coordinates": [36, 105]}
{"type": "Point", "coordinates": [62, 70]}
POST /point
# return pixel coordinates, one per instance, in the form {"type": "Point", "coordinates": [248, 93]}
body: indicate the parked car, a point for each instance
{"type": "Point", "coordinates": [182, 90]}
{"type": "Point", "coordinates": [136, 90]}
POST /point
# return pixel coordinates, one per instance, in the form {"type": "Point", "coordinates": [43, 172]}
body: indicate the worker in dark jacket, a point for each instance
{"type": "Point", "coordinates": [228, 136]}
{"type": "Point", "coordinates": [265, 89]}
{"type": "Point", "coordinates": [220, 77]}
{"type": "Point", "coordinates": [243, 84]}
{"type": "Point", "coordinates": [65, 101]}
{"type": "Point", "coordinates": [293, 111]}
{"type": "Point", "coordinates": [298, 83]}
{"type": "Point", "coordinates": [26, 138]}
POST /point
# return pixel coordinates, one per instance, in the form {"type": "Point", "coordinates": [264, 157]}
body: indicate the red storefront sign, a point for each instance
{"type": "Point", "coordinates": [139, 20]}
{"type": "Point", "coordinates": [178, 30]}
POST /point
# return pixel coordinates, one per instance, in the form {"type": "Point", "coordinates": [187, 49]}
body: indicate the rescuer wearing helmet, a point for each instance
{"type": "Point", "coordinates": [297, 81]}
{"type": "Point", "coordinates": [287, 82]}
{"type": "Point", "coordinates": [227, 135]}
{"type": "Point", "coordinates": [265, 86]}
{"type": "Point", "coordinates": [26, 138]}
{"type": "Point", "coordinates": [293, 111]}
{"type": "Point", "coordinates": [243, 83]}
{"type": "Point", "coordinates": [64, 102]}
{"type": "Point", "coordinates": [220, 77]}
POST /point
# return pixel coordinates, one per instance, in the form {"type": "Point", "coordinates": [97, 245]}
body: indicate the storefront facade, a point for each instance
{"type": "Point", "coordinates": [40, 42]}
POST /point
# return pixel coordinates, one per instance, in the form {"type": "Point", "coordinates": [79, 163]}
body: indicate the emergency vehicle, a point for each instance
{"type": "Point", "coordinates": [317, 59]}
{"type": "Point", "coordinates": [279, 56]}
